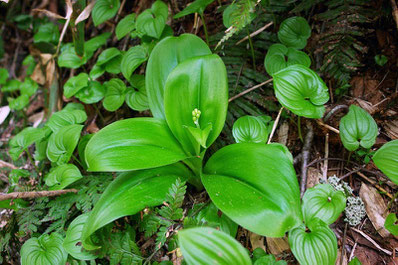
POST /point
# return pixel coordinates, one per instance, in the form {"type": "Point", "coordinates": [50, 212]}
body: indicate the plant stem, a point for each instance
{"type": "Point", "coordinates": [205, 28]}
{"type": "Point", "coordinates": [299, 128]}
{"type": "Point", "coordinates": [77, 160]}
{"type": "Point", "coordinates": [33, 162]}
{"type": "Point", "coordinates": [99, 113]}
{"type": "Point", "coordinates": [251, 48]}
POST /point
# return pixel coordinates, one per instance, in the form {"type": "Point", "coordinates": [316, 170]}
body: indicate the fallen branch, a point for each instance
{"type": "Point", "coordinates": [275, 125]}
{"type": "Point", "coordinates": [6, 164]}
{"type": "Point", "coordinates": [34, 194]}
{"type": "Point", "coordinates": [255, 33]}
{"type": "Point", "coordinates": [305, 157]}
{"type": "Point", "coordinates": [320, 122]}
{"type": "Point", "coordinates": [372, 241]}
{"type": "Point", "coordinates": [249, 90]}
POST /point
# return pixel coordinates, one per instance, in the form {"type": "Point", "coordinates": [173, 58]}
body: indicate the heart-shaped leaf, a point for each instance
{"type": "Point", "coordinates": [125, 26]}
{"type": "Point", "coordinates": [11, 86]}
{"type": "Point", "coordinates": [93, 44]}
{"type": "Point", "coordinates": [197, 6]}
{"type": "Point", "coordinates": [107, 55]}
{"type": "Point", "coordinates": [133, 58]}
{"type": "Point", "coordinates": [66, 117]}
{"type": "Point", "coordinates": [129, 193]}
{"type": "Point", "coordinates": [323, 202]}
{"type": "Point", "coordinates": [23, 140]}
{"type": "Point", "coordinates": [250, 180]}
{"type": "Point", "coordinates": [72, 242]}
{"type": "Point", "coordinates": [205, 245]}
{"type": "Point", "coordinates": [45, 250]}
{"type": "Point", "coordinates": [197, 83]}
{"type": "Point", "coordinates": [279, 57]}
{"type": "Point", "coordinates": [137, 99]}
{"type": "Point", "coordinates": [68, 57]}
{"type": "Point", "coordinates": [29, 87]}
{"type": "Point", "coordinates": [314, 247]}
{"type": "Point", "coordinates": [75, 84]}
{"type": "Point", "coordinates": [250, 129]}
{"type": "Point", "coordinates": [18, 103]}
{"type": "Point", "coordinates": [115, 94]}
{"type": "Point", "coordinates": [62, 143]}
{"type": "Point", "coordinates": [166, 55]}
{"type": "Point", "coordinates": [357, 128]}
{"type": "Point", "coordinates": [151, 22]}
{"type": "Point", "coordinates": [301, 90]}
{"type": "Point", "coordinates": [92, 93]}
{"type": "Point", "coordinates": [47, 32]}
{"type": "Point", "coordinates": [294, 32]}
{"type": "Point", "coordinates": [386, 159]}
{"type": "Point", "coordinates": [104, 10]}
{"type": "Point", "coordinates": [3, 76]}
{"type": "Point", "coordinates": [62, 176]}
{"type": "Point", "coordinates": [131, 144]}
{"type": "Point", "coordinates": [391, 224]}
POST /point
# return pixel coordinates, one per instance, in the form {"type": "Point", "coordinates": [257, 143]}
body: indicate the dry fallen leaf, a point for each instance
{"type": "Point", "coordinates": [38, 75]}
{"type": "Point", "coordinates": [313, 177]}
{"type": "Point", "coordinates": [375, 208]}
{"type": "Point", "coordinates": [345, 260]}
{"type": "Point", "coordinates": [283, 133]}
{"type": "Point", "coordinates": [257, 241]}
{"type": "Point", "coordinates": [48, 13]}
{"type": "Point", "coordinates": [391, 128]}
{"type": "Point", "coordinates": [277, 246]}
{"type": "Point", "coordinates": [36, 119]}
{"type": "Point", "coordinates": [85, 13]}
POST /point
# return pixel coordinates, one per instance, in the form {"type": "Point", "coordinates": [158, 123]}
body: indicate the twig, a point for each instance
{"type": "Point", "coordinates": [333, 111]}
{"type": "Point", "coordinates": [249, 90]}
{"type": "Point", "coordinates": [342, 246]}
{"type": "Point", "coordinates": [320, 122]}
{"type": "Point", "coordinates": [255, 33]}
{"type": "Point", "coordinates": [6, 164]}
{"type": "Point", "coordinates": [275, 125]}
{"type": "Point", "coordinates": [326, 163]}
{"type": "Point", "coordinates": [34, 194]}
{"type": "Point", "coordinates": [375, 184]}
{"type": "Point", "coordinates": [62, 35]}
{"type": "Point", "coordinates": [394, 11]}
{"type": "Point", "coordinates": [306, 155]}
{"type": "Point", "coordinates": [372, 241]}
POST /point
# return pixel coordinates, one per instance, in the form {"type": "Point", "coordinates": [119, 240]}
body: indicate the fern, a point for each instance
{"type": "Point", "coordinates": [174, 199]}
{"type": "Point", "coordinates": [123, 250]}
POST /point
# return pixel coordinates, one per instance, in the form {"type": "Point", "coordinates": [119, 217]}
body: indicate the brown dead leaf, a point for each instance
{"type": "Point", "coordinates": [85, 13]}
{"type": "Point", "coordinates": [367, 256]}
{"type": "Point", "coordinates": [50, 72]}
{"type": "Point", "coordinates": [391, 128]}
{"type": "Point", "coordinates": [283, 133]}
{"type": "Point", "coordinates": [38, 75]}
{"type": "Point", "coordinates": [47, 13]}
{"type": "Point", "coordinates": [277, 246]}
{"type": "Point", "coordinates": [257, 241]}
{"type": "Point", "coordinates": [366, 105]}
{"type": "Point", "coordinates": [36, 119]}
{"type": "Point", "coordinates": [92, 127]}
{"type": "Point", "coordinates": [366, 88]}
{"type": "Point", "coordinates": [345, 259]}
{"type": "Point", "coordinates": [375, 208]}
{"type": "Point", "coordinates": [313, 177]}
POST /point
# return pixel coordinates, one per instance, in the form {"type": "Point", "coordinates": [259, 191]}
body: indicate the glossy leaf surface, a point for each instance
{"type": "Point", "coordinates": [62, 143]}
{"type": "Point", "coordinates": [29, 87]}
{"type": "Point", "coordinates": [318, 246]}
{"type": "Point", "coordinates": [66, 117]}
{"type": "Point", "coordinates": [68, 57]}
{"type": "Point", "coordinates": [301, 90]}
{"type": "Point", "coordinates": [132, 144]}
{"type": "Point", "coordinates": [23, 140]}
{"type": "Point", "coordinates": [250, 129]}
{"type": "Point", "coordinates": [125, 26]}
{"type": "Point", "coordinates": [391, 224]}
{"type": "Point", "coordinates": [132, 59]}
{"type": "Point", "coordinates": [74, 84]}
{"type": "Point", "coordinates": [205, 245]}
{"type": "Point", "coordinates": [294, 32]}
{"type": "Point", "coordinates": [386, 159]}
{"type": "Point", "coordinates": [251, 181]}
{"type": "Point", "coordinates": [152, 21]}
{"type": "Point", "coordinates": [128, 194]}
{"type": "Point", "coordinates": [197, 83]}
{"type": "Point", "coordinates": [323, 202]}
{"type": "Point", "coordinates": [47, 249]}
{"type": "Point", "coordinates": [62, 176]}
{"type": "Point", "coordinates": [92, 93]}
{"type": "Point", "coordinates": [166, 55]}
{"type": "Point", "coordinates": [115, 93]}
{"type": "Point", "coordinates": [104, 10]}
{"type": "Point", "coordinates": [358, 128]}
{"type": "Point", "coordinates": [137, 99]}
{"type": "Point", "coordinates": [279, 57]}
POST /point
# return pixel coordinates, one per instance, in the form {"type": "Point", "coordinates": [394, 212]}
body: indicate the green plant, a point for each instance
{"type": "Point", "coordinates": [381, 59]}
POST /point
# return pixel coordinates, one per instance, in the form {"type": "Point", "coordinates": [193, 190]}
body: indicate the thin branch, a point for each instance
{"type": "Point", "coordinates": [306, 155]}
{"type": "Point", "coordinates": [250, 90]}
{"type": "Point", "coordinates": [6, 164]}
{"type": "Point", "coordinates": [255, 33]}
{"type": "Point", "coordinates": [275, 125]}
{"type": "Point", "coordinates": [320, 122]}
{"type": "Point", "coordinates": [34, 194]}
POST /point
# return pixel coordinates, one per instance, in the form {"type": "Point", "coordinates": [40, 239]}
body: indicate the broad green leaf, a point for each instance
{"type": "Point", "coordinates": [132, 59]}
{"type": "Point", "coordinates": [301, 90]}
{"type": "Point", "coordinates": [45, 250]}
{"type": "Point", "coordinates": [115, 94]}
{"type": "Point", "coordinates": [23, 140]}
{"type": "Point", "coordinates": [41, 145]}
{"type": "Point", "coordinates": [197, 83]}
{"type": "Point", "coordinates": [72, 242]}
{"type": "Point", "coordinates": [129, 193]}
{"type": "Point", "coordinates": [62, 143]}
{"type": "Point", "coordinates": [166, 55]}
{"type": "Point", "coordinates": [197, 6]}
{"type": "Point", "coordinates": [255, 181]}
{"type": "Point", "coordinates": [355, 261]}
{"type": "Point", "coordinates": [66, 117]}
{"type": "Point", "coordinates": [104, 10]}
{"type": "Point", "coordinates": [323, 202]}
{"type": "Point", "coordinates": [18, 103]}
{"type": "Point", "coordinates": [93, 44]}
{"type": "Point", "coordinates": [96, 71]}
{"type": "Point", "coordinates": [294, 32]}
{"type": "Point", "coordinates": [113, 65]}
{"type": "Point", "coordinates": [279, 57]}
{"type": "Point", "coordinates": [131, 144]}
{"type": "Point", "coordinates": [386, 159]}
{"type": "Point", "coordinates": [92, 93]}
{"type": "Point", "coordinates": [30, 64]}
{"type": "Point", "coordinates": [11, 86]}
{"type": "Point", "coordinates": [314, 247]}
{"type": "Point", "coordinates": [250, 129]}
{"type": "Point", "coordinates": [3, 76]}
{"type": "Point", "coordinates": [151, 22]}
{"type": "Point", "coordinates": [205, 245]}
{"type": "Point", "coordinates": [358, 128]}
{"type": "Point", "coordinates": [108, 55]}
{"type": "Point", "coordinates": [137, 99]}
{"type": "Point", "coordinates": [47, 32]}
{"type": "Point", "coordinates": [391, 224]}
{"type": "Point", "coordinates": [82, 146]}
{"type": "Point", "coordinates": [75, 84]}
{"type": "Point", "coordinates": [125, 26]}
{"type": "Point", "coordinates": [29, 87]}
{"type": "Point", "coordinates": [62, 176]}
{"type": "Point", "coordinates": [68, 57]}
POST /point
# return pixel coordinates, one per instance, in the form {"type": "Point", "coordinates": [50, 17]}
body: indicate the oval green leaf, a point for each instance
{"type": "Point", "coordinates": [131, 144]}
{"type": "Point", "coordinates": [115, 94]}
{"type": "Point", "coordinates": [18, 103]}
{"type": "Point", "coordinates": [358, 128]}
{"type": "Point", "coordinates": [29, 87]}
{"type": "Point", "coordinates": [205, 245]}
{"type": "Point", "coordinates": [75, 84]}
{"type": "Point", "coordinates": [125, 26]}
{"type": "Point", "coordinates": [294, 32]}
{"type": "Point", "coordinates": [386, 159]}
{"type": "Point", "coordinates": [107, 55]}
{"type": "Point", "coordinates": [66, 117]}
{"type": "Point", "coordinates": [23, 140]}
{"type": "Point", "coordinates": [92, 93]}
{"type": "Point", "coordinates": [255, 181]}
{"type": "Point", "coordinates": [11, 85]}
{"type": "Point", "coordinates": [250, 129]}
{"type": "Point", "coordinates": [133, 58]}
{"type": "Point", "coordinates": [391, 224]}
{"type": "Point", "coordinates": [301, 90]}
{"type": "Point", "coordinates": [166, 55]}
{"type": "Point", "coordinates": [62, 176]}
{"type": "Point", "coordinates": [104, 10]}
{"type": "Point", "coordinates": [197, 6]}
{"type": "Point", "coordinates": [128, 194]}
{"type": "Point", "coordinates": [323, 202]}
{"type": "Point", "coordinates": [197, 83]}
{"type": "Point", "coordinates": [152, 21]}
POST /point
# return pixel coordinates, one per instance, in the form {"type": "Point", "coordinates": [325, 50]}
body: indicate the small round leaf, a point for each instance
{"type": "Point", "coordinates": [249, 129]}
{"type": "Point", "coordinates": [115, 94]}
{"type": "Point", "coordinates": [294, 32]}
{"type": "Point", "coordinates": [104, 10]}
{"type": "Point", "coordinates": [62, 176]}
